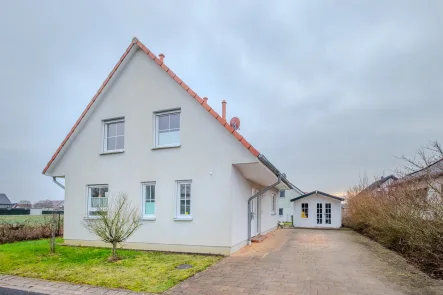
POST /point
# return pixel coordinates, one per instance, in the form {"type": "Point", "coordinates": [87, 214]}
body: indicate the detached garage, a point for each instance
{"type": "Point", "coordinates": [317, 210]}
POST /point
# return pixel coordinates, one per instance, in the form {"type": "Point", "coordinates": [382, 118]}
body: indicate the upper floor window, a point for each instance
{"type": "Point", "coordinates": [282, 194]}
{"type": "Point", "coordinates": [167, 128]}
{"type": "Point", "coordinates": [97, 198]}
{"type": "Point", "coordinates": [114, 137]}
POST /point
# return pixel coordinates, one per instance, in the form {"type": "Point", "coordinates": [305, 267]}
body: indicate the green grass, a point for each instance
{"type": "Point", "coordinates": [37, 219]}
{"type": "Point", "coordinates": [146, 271]}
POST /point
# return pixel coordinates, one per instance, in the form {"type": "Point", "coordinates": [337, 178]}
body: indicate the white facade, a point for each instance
{"type": "Point", "coordinates": [206, 157]}
{"type": "Point", "coordinates": [317, 218]}
{"type": "Point", "coordinates": [285, 205]}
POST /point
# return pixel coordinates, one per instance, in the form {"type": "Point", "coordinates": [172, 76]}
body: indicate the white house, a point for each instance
{"type": "Point", "coordinates": [284, 203]}
{"type": "Point", "coordinates": [149, 135]}
{"type": "Point", "coordinates": [317, 210]}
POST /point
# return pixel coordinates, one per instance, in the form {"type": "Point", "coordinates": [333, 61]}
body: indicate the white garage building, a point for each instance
{"type": "Point", "coordinates": [317, 210]}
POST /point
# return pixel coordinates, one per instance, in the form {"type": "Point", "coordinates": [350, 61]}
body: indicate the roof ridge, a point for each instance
{"type": "Point", "coordinates": [162, 65]}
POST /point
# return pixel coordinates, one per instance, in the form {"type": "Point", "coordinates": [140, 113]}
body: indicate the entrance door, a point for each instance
{"type": "Point", "coordinates": [254, 217]}
{"type": "Point", "coordinates": [328, 213]}
{"type": "Point", "coordinates": [319, 213]}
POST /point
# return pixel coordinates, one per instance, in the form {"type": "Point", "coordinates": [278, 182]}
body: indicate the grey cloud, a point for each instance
{"type": "Point", "coordinates": [326, 90]}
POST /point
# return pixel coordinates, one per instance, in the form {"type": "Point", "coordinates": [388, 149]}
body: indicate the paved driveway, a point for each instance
{"type": "Point", "coordinates": [301, 261]}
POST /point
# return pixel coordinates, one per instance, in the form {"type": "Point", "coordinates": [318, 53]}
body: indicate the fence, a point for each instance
{"type": "Point", "coordinates": [15, 211]}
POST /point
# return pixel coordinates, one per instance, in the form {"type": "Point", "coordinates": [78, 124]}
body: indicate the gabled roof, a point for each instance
{"type": "Point", "coordinates": [377, 184]}
{"type": "Point", "coordinates": [433, 169]}
{"type": "Point", "coordinates": [317, 192]}
{"type": "Point", "coordinates": [4, 200]}
{"type": "Point", "coordinates": [162, 65]}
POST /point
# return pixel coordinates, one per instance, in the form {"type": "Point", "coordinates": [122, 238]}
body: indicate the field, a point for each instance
{"type": "Point", "coordinates": [27, 219]}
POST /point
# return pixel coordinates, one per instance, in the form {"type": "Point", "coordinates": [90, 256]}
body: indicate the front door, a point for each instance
{"type": "Point", "coordinates": [254, 217]}
{"type": "Point", "coordinates": [319, 213]}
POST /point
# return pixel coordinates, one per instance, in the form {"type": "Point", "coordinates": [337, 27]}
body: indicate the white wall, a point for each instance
{"type": "Point", "coordinates": [206, 147]}
{"type": "Point", "coordinates": [286, 204]}
{"type": "Point", "coordinates": [311, 221]}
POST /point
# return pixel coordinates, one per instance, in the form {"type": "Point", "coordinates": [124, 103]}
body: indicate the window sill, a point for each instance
{"type": "Point", "coordinates": [91, 217]}
{"type": "Point", "coordinates": [183, 219]}
{"type": "Point", "coordinates": [112, 152]}
{"type": "Point", "coordinates": [148, 218]}
{"type": "Point", "coordinates": [166, 147]}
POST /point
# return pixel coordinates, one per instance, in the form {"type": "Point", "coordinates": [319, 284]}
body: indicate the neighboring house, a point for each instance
{"type": "Point", "coordinates": [427, 182]}
{"type": "Point", "coordinates": [5, 203]}
{"type": "Point", "coordinates": [285, 205]}
{"type": "Point", "coordinates": [382, 184]}
{"type": "Point", "coordinates": [149, 135]}
{"type": "Point", "coordinates": [317, 210]}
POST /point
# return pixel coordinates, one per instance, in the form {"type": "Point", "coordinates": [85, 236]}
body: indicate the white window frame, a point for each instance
{"type": "Point", "coordinates": [89, 208]}
{"type": "Point", "coordinates": [156, 124]}
{"type": "Point", "coordinates": [143, 187]}
{"type": "Point", "coordinates": [274, 204]}
{"type": "Point", "coordinates": [282, 211]}
{"type": "Point", "coordinates": [179, 216]}
{"type": "Point", "coordinates": [105, 135]}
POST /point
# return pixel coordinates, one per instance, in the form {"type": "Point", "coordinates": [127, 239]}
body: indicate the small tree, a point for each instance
{"type": "Point", "coordinates": [25, 204]}
{"type": "Point", "coordinates": [116, 223]}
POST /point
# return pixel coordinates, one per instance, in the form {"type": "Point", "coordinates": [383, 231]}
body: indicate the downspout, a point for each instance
{"type": "Point", "coordinates": [57, 183]}
{"type": "Point", "coordinates": [280, 176]}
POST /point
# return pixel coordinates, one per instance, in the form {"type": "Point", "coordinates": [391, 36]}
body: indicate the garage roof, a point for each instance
{"type": "Point", "coordinates": [316, 192]}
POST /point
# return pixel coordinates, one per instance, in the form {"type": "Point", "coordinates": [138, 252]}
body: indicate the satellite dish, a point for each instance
{"type": "Point", "coordinates": [235, 123]}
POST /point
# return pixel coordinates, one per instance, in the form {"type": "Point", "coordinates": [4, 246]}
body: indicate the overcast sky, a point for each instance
{"type": "Point", "coordinates": [326, 90]}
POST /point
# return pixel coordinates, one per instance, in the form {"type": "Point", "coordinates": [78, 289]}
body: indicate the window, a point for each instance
{"type": "Point", "coordinates": [274, 203]}
{"type": "Point", "coordinates": [304, 210]}
{"type": "Point", "coordinates": [328, 213]}
{"type": "Point", "coordinates": [167, 129]}
{"type": "Point", "coordinates": [148, 197]}
{"type": "Point", "coordinates": [184, 199]}
{"type": "Point", "coordinates": [282, 194]}
{"type": "Point", "coordinates": [114, 137]}
{"type": "Point", "coordinates": [97, 198]}
{"type": "Point", "coordinates": [280, 211]}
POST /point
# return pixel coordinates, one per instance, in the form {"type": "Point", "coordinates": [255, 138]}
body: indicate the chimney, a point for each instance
{"type": "Point", "coordinates": [224, 109]}
{"type": "Point", "coordinates": [162, 56]}
{"type": "Point", "coordinates": [205, 100]}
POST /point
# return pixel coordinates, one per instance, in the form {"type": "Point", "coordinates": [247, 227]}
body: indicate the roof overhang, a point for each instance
{"type": "Point", "coordinates": [258, 173]}
{"type": "Point", "coordinates": [319, 193]}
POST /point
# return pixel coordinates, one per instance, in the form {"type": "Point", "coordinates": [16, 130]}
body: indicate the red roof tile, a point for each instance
{"type": "Point", "coordinates": [191, 92]}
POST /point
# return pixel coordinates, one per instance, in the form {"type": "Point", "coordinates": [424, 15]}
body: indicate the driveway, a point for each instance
{"type": "Point", "coordinates": [302, 261]}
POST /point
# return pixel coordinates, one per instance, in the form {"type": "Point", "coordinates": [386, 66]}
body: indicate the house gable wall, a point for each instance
{"type": "Point", "coordinates": [206, 156]}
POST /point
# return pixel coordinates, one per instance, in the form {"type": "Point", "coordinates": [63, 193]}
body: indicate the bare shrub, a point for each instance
{"type": "Point", "coordinates": [116, 223]}
{"type": "Point", "coordinates": [25, 231]}
{"type": "Point", "coordinates": [407, 216]}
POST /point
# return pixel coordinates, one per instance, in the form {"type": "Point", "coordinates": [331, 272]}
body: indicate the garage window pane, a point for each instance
{"type": "Point", "coordinates": [304, 210]}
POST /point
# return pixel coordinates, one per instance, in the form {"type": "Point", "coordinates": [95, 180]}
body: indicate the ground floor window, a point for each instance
{"type": "Point", "coordinates": [184, 199]}
{"type": "Point", "coordinates": [97, 198]}
{"type": "Point", "coordinates": [304, 210]}
{"type": "Point", "coordinates": [280, 211]}
{"type": "Point", "coordinates": [148, 195]}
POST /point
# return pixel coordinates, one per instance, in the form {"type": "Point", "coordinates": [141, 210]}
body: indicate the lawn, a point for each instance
{"type": "Point", "coordinates": [31, 219]}
{"type": "Point", "coordinates": [146, 271]}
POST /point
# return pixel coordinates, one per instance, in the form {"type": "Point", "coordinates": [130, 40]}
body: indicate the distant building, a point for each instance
{"type": "Point", "coordinates": [5, 203]}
